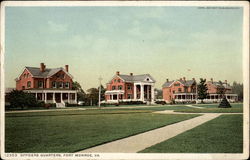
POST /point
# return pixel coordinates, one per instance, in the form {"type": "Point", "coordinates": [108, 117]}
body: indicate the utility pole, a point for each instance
{"type": "Point", "coordinates": [100, 79]}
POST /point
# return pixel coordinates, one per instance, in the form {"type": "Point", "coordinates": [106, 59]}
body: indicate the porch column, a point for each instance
{"type": "Point", "coordinates": [75, 97]}
{"type": "Point", "coordinates": [135, 94]}
{"type": "Point", "coordinates": [68, 97]}
{"type": "Point", "coordinates": [112, 97]}
{"type": "Point", "coordinates": [61, 97]}
{"type": "Point", "coordinates": [147, 92]}
{"type": "Point", "coordinates": [42, 96]}
{"type": "Point", "coordinates": [54, 101]}
{"type": "Point", "coordinates": [117, 97]}
{"type": "Point", "coordinates": [152, 93]}
{"type": "Point", "coordinates": [45, 97]}
{"type": "Point", "coordinates": [142, 92]}
{"type": "Point", "coordinates": [36, 95]}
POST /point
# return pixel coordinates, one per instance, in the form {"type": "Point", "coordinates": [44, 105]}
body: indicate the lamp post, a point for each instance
{"type": "Point", "coordinates": [99, 103]}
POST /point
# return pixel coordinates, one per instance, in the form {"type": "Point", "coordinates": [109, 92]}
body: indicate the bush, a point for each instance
{"type": "Point", "coordinates": [160, 102]}
{"type": "Point", "coordinates": [21, 99]}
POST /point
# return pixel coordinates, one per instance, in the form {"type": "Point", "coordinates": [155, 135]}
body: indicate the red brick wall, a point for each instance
{"type": "Point", "coordinates": [23, 79]}
{"type": "Point", "coordinates": [114, 82]}
{"type": "Point", "coordinates": [46, 82]}
{"type": "Point", "coordinates": [168, 91]}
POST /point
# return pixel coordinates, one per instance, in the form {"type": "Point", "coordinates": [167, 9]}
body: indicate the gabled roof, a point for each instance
{"type": "Point", "coordinates": [48, 72]}
{"type": "Point", "coordinates": [220, 85]}
{"type": "Point", "coordinates": [135, 78]}
{"type": "Point", "coordinates": [186, 83]}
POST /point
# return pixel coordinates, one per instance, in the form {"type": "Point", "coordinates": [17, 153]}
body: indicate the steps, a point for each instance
{"type": "Point", "coordinates": [60, 105]}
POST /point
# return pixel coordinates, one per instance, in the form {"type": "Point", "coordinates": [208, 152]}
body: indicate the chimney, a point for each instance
{"type": "Point", "coordinates": [117, 73]}
{"type": "Point", "coordinates": [184, 78]}
{"type": "Point", "coordinates": [67, 68]}
{"type": "Point", "coordinates": [226, 81]}
{"type": "Point", "coordinates": [167, 80]}
{"type": "Point", "coordinates": [42, 67]}
{"type": "Point", "coordinates": [131, 74]}
{"type": "Point", "coordinates": [181, 79]}
{"type": "Point", "coordinates": [193, 79]}
{"type": "Point", "coordinates": [212, 80]}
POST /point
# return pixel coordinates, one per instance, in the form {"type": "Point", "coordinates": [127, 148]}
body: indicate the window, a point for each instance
{"type": "Point", "coordinates": [60, 85]}
{"type": "Point", "coordinates": [113, 87]}
{"type": "Point", "coordinates": [120, 87]}
{"type": "Point", "coordinates": [177, 84]}
{"type": "Point", "coordinates": [129, 87]}
{"type": "Point", "coordinates": [147, 79]}
{"type": "Point", "coordinates": [114, 80]}
{"type": "Point", "coordinates": [40, 84]}
{"type": "Point", "coordinates": [28, 84]}
{"type": "Point", "coordinates": [129, 96]}
{"type": "Point", "coordinates": [173, 91]}
{"type": "Point", "coordinates": [23, 87]}
{"type": "Point", "coordinates": [54, 84]}
{"type": "Point", "coordinates": [24, 76]}
{"type": "Point", "coordinates": [67, 85]}
{"type": "Point", "coordinates": [119, 80]}
{"type": "Point", "coordinates": [62, 76]}
{"type": "Point", "coordinates": [179, 89]}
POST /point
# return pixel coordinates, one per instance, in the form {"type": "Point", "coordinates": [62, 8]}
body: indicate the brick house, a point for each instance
{"type": "Point", "coordinates": [183, 90]}
{"type": "Point", "coordinates": [179, 90]}
{"type": "Point", "coordinates": [51, 85]}
{"type": "Point", "coordinates": [130, 88]}
{"type": "Point", "coordinates": [214, 89]}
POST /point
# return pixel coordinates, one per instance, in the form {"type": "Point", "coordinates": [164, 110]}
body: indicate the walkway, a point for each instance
{"type": "Point", "coordinates": [142, 141]}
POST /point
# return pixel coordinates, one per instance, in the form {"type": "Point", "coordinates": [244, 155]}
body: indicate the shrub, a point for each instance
{"type": "Point", "coordinates": [21, 99]}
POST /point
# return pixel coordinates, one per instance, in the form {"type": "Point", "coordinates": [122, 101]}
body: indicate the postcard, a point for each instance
{"type": "Point", "coordinates": [124, 80]}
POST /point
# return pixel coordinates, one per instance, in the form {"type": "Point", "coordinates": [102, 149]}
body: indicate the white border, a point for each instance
{"type": "Point", "coordinates": [246, 68]}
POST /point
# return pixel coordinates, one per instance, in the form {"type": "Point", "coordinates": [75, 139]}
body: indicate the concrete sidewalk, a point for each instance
{"type": "Point", "coordinates": [141, 141]}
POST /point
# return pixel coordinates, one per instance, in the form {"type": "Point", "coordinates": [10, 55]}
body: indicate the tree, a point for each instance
{"type": "Point", "coordinates": [92, 96]}
{"type": "Point", "coordinates": [21, 99]}
{"type": "Point", "coordinates": [103, 90]}
{"type": "Point", "coordinates": [81, 95]}
{"type": "Point", "coordinates": [237, 88]}
{"type": "Point", "coordinates": [202, 90]}
{"type": "Point", "coordinates": [159, 93]}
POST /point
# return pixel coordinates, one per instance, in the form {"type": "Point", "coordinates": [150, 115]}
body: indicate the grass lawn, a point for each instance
{"type": "Point", "coordinates": [236, 108]}
{"type": "Point", "coordinates": [71, 131]}
{"type": "Point", "coordinates": [221, 135]}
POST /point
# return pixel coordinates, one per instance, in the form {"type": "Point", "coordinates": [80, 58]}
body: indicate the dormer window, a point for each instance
{"type": "Point", "coordinates": [147, 79]}
{"type": "Point", "coordinates": [119, 80]}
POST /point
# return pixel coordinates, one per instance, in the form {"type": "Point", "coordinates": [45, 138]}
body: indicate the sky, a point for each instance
{"type": "Point", "coordinates": [165, 42]}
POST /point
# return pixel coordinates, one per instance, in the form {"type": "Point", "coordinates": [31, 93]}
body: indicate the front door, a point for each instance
{"type": "Point", "coordinates": [58, 97]}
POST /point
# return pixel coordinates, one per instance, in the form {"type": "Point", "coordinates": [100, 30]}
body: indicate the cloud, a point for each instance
{"type": "Point", "coordinates": [56, 27]}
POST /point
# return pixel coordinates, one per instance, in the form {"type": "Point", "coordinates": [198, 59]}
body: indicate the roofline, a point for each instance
{"type": "Point", "coordinates": [18, 78]}
{"type": "Point", "coordinates": [61, 69]}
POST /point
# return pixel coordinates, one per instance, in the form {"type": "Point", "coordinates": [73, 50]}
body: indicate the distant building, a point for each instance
{"type": "Point", "coordinates": [130, 88]}
{"type": "Point", "coordinates": [183, 90]}
{"type": "Point", "coordinates": [51, 85]}
{"type": "Point", "coordinates": [179, 90]}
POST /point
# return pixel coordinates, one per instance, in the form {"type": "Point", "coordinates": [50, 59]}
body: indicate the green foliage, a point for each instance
{"type": "Point", "coordinates": [159, 93]}
{"type": "Point", "coordinates": [224, 103]}
{"type": "Point", "coordinates": [81, 95]}
{"type": "Point", "coordinates": [221, 89]}
{"type": "Point", "coordinates": [202, 89]}
{"type": "Point", "coordinates": [21, 99]}
{"type": "Point", "coordinates": [237, 88]}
